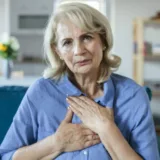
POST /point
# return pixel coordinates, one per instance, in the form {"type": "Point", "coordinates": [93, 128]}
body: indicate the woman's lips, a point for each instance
{"type": "Point", "coordinates": [84, 62]}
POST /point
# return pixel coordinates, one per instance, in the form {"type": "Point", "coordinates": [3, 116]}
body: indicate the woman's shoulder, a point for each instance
{"type": "Point", "coordinates": [123, 81]}
{"type": "Point", "coordinates": [42, 86]}
{"type": "Point", "coordinates": [42, 83]}
{"type": "Point", "coordinates": [130, 94]}
{"type": "Point", "coordinates": [127, 86]}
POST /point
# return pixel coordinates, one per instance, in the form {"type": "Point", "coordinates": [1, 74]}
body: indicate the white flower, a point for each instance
{"type": "Point", "coordinates": [5, 38]}
{"type": "Point", "coordinates": [14, 44]}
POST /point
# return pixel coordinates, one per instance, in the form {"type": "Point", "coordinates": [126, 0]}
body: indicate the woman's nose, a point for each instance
{"type": "Point", "coordinates": [78, 48]}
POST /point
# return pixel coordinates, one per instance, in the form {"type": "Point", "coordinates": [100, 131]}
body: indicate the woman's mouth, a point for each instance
{"type": "Point", "coordinates": [84, 62]}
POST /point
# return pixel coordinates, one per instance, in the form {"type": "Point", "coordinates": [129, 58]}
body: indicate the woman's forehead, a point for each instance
{"type": "Point", "coordinates": [68, 29]}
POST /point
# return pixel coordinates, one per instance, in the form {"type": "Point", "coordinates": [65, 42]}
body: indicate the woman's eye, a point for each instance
{"type": "Point", "coordinates": [87, 38]}
{"type": "Point", "coordinates": [66, 43]}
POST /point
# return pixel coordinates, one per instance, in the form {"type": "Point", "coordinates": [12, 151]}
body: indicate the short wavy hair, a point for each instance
{"type": "Point", "coordinates": [89, 20]}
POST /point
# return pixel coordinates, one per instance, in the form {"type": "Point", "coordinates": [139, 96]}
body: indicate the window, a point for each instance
{"type": "Point", "coordinates": [97, 4]}
{"type": "Point", "coordinates": [93, 3]}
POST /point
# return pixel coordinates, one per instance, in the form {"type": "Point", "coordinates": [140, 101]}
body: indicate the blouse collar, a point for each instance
{"type": "Point", "coordinates": [66, 86]}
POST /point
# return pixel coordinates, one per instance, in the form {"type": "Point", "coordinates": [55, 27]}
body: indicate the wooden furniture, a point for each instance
{"type": "Point", "coordinates": [142, 53]}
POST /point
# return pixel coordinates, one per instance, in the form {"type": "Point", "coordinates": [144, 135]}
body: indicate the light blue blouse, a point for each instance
{"type": "Point", "coordinates": [44, 107]}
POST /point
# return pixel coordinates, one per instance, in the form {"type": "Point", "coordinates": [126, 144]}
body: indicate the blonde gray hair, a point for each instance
{"type": "Point", "coordinates": [89, 20]}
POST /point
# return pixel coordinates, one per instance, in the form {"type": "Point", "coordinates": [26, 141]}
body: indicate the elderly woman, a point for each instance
{"type": "Point", "coordinates": [80, 109]}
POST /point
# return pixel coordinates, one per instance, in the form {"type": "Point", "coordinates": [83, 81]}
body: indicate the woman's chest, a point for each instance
{"type": "Point", "coordinates": [52, 113]}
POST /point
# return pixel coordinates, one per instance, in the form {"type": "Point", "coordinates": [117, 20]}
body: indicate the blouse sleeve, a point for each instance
{"type": "Point", "coordinates": [143, 137]}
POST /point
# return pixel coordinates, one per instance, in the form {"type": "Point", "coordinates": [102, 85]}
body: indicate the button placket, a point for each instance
{"type": "Point", "coordinates": [85, 152]}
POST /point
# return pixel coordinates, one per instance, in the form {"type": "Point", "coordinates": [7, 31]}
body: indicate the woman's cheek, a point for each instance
{"type": "Point", "coordinates": [63, 51]}
{"type": "Point", "coordinates": [68, 61]}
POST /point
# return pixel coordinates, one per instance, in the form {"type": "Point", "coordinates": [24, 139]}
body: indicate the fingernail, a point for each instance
{"type": "Point", "coordinates": [68, 107]}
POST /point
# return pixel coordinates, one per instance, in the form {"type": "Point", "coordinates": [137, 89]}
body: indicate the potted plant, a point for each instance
{"type": "Point", "coordinates": [9, 47]}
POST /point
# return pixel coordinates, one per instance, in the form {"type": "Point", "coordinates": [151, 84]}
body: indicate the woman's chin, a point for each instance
{"type": "Point", "coordinates": [85, 70]}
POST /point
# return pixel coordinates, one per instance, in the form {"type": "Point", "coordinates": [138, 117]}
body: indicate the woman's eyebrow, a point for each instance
{"type": "Point", "coordinates": [66, 39]}
{"type": "Point", "coordinates": [87, 33]}
{"type": "Point", "coordinates": [82, 35]}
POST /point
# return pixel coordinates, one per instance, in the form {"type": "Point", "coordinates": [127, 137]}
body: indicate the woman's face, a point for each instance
{"type": "Point", "coordinates": [81, 51]}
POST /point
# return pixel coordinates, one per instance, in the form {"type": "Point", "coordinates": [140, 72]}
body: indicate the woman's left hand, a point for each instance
{"type": "Point", "coordinates": [91, 114]}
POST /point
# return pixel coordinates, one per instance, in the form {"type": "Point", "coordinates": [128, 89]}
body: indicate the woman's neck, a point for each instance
{"type": "Point", "coordinates": [88, 85]}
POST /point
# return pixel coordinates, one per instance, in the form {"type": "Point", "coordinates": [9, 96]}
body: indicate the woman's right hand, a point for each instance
{"type": "Point", "coordinates": [72, 137]}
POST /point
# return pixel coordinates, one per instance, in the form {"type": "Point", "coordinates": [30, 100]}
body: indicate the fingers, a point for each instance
{"type": "Point", "coordinates": [91, 143]}
{"type": "Point", "coordinates": [77, 101]}
{"type": "Point", "coordinates": [86, 100]}
{"type": "Point", "coordinates": [76, 105]}
{"type": "Point", "coordinates": [86, 132]}
{"type": "Point", "coordinates": [76, 111]}
{"type": "Point", "coordinates": [84, 126]}
{"type": "Point", "coordinates": [92, 137]}
{"type": "Point", "coordinates": [69, 116]}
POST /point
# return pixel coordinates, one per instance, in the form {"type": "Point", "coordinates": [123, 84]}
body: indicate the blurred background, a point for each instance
{"type": "Point", "coordinates": [136, 29]}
